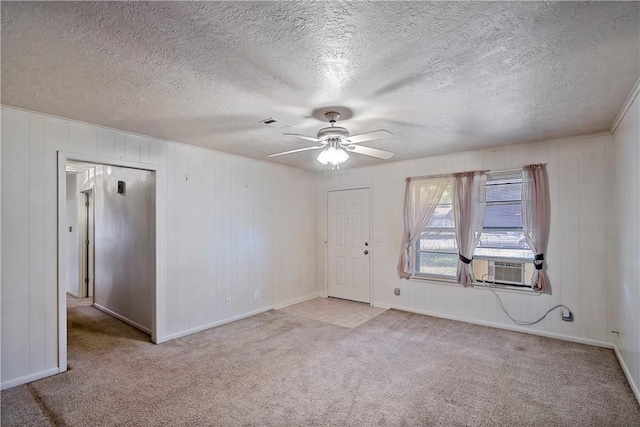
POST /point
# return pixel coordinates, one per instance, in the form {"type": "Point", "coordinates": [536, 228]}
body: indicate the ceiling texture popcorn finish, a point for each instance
{"type": "Point", "coordinates": [442, 76]}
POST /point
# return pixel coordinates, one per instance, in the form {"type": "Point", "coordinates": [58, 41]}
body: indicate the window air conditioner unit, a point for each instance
{"type": "Point", "coordinates": [507, 272]}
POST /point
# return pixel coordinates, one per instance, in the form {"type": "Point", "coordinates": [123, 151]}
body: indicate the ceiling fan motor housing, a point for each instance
{"type": "Point", "coordinates": [333, 132]}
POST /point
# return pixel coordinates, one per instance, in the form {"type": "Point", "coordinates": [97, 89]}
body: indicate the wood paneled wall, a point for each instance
{"type": "Point", "coordinates": [577, 256]}
{"type": "Point", "coordinates": [626, 243]}
{"type": "Point", "coordinates": [229, 226]}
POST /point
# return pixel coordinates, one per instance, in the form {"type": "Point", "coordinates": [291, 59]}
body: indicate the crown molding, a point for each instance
{"type": "Point", "coordinates": [626, 105]}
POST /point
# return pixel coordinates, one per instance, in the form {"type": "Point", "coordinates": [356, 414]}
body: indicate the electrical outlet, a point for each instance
{"type": "Point", "coordinates": [567, 315]}
{"type": "Point", "coordinates": [256, 295]}
{"type": "Point", "coordinates": [396, 291]}
{"type": "Point", "coordinates": [228, 301]}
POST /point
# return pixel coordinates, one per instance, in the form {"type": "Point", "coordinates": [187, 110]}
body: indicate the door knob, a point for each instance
{"type": "Point", "coordinates": [366, 252]}
{"type": "Point", "coordinates": [366, 243]}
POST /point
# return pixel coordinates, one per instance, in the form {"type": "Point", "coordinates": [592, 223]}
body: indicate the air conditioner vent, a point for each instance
{"type": "Point", "coordinates": [507, 272]}
{"type": "Point", "coordinates": [275, 123]}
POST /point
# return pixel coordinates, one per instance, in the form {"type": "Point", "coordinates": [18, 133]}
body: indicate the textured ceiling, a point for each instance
{"type": "Point", "coordinates": [442, 76]}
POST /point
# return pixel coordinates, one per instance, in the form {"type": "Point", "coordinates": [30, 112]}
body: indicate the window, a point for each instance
{"type": "Point", "coordinates": [437, 253]}
{"type": "Point", "coordinates": [502, 255]}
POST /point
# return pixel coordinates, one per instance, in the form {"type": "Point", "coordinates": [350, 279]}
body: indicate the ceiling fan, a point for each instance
{"type": "Point", "coordinates": [337, 143]}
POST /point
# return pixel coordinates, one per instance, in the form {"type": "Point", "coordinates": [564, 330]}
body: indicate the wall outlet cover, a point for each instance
{"type": "Point", "coordinates": [567, 315]}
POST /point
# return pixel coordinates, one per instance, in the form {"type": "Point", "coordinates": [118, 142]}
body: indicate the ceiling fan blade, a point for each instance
{"type": "Point", "coordinates": [296, 151]}
{"type": "Point", "coordinates": [368, 151]}
{"type": "Point", "coordinates": [369, 136]}
{"type": "Point", "coordinates": [308, 138]}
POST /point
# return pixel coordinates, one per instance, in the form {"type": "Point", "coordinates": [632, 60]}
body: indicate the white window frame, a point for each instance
{"type": "Point", "coordinates": [417, 250]}
{"type": "Point", "coordinates": [528, 261]}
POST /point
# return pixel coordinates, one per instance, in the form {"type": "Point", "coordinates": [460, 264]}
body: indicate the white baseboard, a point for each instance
{"type": "Point", "coordinates": [210, 325]}
{"type": "Point", "coordinates": [29, 378]}
{"type": "Point", "coordinates": [73, 294]}
{"type": "Point", "coordinates": [502, 326]}
{"type": "Point", "coordinates": [124, 319]}
{"type": "Point", "coordinates": [627, 373]}
{"type": "Point", "coordinates": [234, 318]}
{"type": "Point", "coordinates": [296, 301]}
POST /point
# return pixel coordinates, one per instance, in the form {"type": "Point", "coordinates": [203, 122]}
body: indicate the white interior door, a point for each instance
{"type": "Point", "coordinates": [348, 244]}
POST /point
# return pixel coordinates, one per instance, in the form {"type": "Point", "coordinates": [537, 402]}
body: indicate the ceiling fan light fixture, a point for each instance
{"type": "Point", "coordinates": [333, 156]}
{"type": "Point", "coordinates": [335, 143]}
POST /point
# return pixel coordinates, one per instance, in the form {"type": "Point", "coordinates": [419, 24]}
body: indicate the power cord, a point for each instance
{"type": "Point", "coordinates": [490, 286]}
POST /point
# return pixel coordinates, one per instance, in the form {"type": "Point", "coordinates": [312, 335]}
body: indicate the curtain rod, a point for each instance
{"type": "Point", "coordinates": [444, 175]}
{"type": "Point", "coordinates": [449, 175]}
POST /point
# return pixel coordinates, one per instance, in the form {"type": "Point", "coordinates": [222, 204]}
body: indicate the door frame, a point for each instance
{"type": "Point", "coordinates": [368, 187]}
{"type": "Point", "coordinates": [63, 156]}
{"type": "Point", "coordinates": [88, 263]}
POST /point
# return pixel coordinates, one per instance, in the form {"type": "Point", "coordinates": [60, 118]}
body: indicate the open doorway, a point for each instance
{"type": "Point", "coordinates": [107, 244]}
{"type": "Point", "coordinates": [80, 212]}
{"type": "Point", "coordinates": [79, 221]}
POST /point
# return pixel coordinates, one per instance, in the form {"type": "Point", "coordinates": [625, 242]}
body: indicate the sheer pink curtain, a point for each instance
{"type": "Point", "coordinates": [469, 199]}
{"type": "Point", "coordinates": [536, 220]}
{"type": "Point", "coordinates": [421, 197]}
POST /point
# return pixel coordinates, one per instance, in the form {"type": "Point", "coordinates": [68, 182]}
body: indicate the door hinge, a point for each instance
{"type": "Point", "coordinates": [87, 242]}
{"type": "Point", "coordinates": [86, 204]}
{"type": "Point", "coordinates": [86, 280]}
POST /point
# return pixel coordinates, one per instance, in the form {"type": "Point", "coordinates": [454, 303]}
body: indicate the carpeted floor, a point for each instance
{"type": "Point", "coordinates": [278, 369]}
{"type": "Point", "coordinates": [339, 312]}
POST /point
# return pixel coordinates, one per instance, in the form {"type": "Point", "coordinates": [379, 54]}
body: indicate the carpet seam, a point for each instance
{"type": "Point", "coordinates": [51, 416]}
{"type": "Point", "coordinates": [330, 323]}
{"type": "Point", "coordinates": [300, 316]}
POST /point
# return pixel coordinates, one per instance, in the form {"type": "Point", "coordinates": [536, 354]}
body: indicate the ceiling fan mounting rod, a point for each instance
{"type": "Point", "coordinates": [332, 116]}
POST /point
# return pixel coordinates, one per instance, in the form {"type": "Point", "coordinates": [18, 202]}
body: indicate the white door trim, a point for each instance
{"type": "Point", "coordinates": [326, 235]}
{"type": "Point", "coordinates": [87, 268]}
{"type": "Point", "coordinates": [63, 156]}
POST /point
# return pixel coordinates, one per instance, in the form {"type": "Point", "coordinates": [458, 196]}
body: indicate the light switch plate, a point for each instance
{"type": "Point", "coordinates": [377, 240]}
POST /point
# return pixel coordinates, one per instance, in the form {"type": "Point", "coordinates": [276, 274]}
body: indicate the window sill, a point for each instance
{"type": "Point", "coordinates": [442, 280]}
{"type": "Point", "coordinates": [506, 259]}
{"type": "Point", "coordinates": [476, 285]}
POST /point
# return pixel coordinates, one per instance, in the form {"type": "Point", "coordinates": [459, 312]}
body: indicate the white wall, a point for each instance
{"type": "Point", "coordinates": [226, 224]}
{"type": "Point", "coordinates": [72, 235]}
{"type": "Point", "coordinates": [577, 255]}
{"type": "Point", "coordinates": [627, 242]}
{"type": "Point", "coordinates": [125, 247]}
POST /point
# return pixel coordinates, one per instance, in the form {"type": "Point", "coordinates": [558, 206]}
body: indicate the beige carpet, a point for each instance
{"type": "Point", "coordinates": [339, 312]}
{"type": "Point", "coordinates": [277, 369]}
{"type": "Point", "coordinates": [73, 302]}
